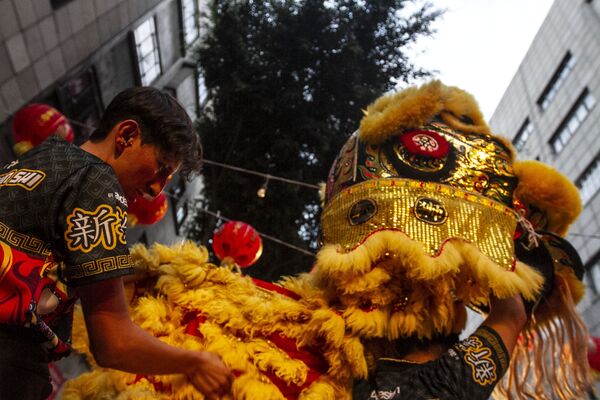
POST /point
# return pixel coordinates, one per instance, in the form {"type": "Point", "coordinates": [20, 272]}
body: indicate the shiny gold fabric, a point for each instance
{"type": "Point", "coordinates": [427, 212]}
{"type": "Point", "coordinates": [476, 162]}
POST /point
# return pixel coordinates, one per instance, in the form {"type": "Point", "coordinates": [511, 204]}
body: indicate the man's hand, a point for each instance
{"type": "Point", "coordinates": [118, 343]}
{"type": "Point", "coordinates": [210, 376]}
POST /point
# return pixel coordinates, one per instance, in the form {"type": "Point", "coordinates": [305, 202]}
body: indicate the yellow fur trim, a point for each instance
{"type": "Point", "coordinates": [322, 390]}
{"type": "Point", "coordinates": [385, 284]}
{"type": "Point", "coordinates": [21, 148]}
{"type": "Point", "coordinates": [239, 319]}
{"type": "Point", "coordinates": [550, 191]}
{"type": "Point", "coordinates": [415, 106]}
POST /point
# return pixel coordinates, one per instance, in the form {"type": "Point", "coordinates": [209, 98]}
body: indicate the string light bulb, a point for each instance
{"type": "Point", "coordinates": [262, 191]}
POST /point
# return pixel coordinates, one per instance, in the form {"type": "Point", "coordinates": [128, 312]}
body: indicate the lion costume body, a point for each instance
{"type": "Point", "coordinates": [423, 206]}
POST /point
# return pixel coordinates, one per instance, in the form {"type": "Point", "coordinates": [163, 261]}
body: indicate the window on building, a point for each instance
{"type": "Point", "coordinates": [564, 69]}
{"type": "Point", "coordinates": [523, 135]}
{"type": "Point", "coordinates": [591, 277]}
{"type": "Point", "coordinates": [56, 4]}
{"type": "Point", "coordinates": [589, 181]}
{"type": "Point", "coordinates": [201, 88]}
{"type": "Point", "coordinates": [79, 99]}
{"type": "Point", "coordinates": [572, 121]}
{"type": "Point", "coordinates": [178, 189]}
{"type": "Point", "coordinates": [148, 57]}
{"type": "Point", "coordinates": [189, 18]}
{"type": "Point", "coordinates": [181, 213]}
{"type": "Point", "coordinates": [116, 69]}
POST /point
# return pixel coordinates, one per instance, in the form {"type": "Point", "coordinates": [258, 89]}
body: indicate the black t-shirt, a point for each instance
{"type": "Point", "coordinates": [468, 370]}
{"type": "Point", "coordinates": [62, 224]}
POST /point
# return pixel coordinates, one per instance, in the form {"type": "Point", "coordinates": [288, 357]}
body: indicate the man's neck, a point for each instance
{"type": "Point", "coordinates": [420, 357]}
{"type": "Point", "coordinates": [98, 149]}
{"type": "Point", "coordinates": [423, 356]}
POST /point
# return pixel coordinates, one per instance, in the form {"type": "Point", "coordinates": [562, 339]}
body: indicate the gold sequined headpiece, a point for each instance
{"type": "Point", "coordinates": [434, 176]}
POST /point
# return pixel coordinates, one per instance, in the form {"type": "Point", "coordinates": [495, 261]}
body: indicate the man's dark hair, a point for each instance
{"type": "Point", "coordinates": [163, 122]}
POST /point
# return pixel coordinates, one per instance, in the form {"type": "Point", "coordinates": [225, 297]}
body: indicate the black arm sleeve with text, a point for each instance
{"type": "Point", "coordinates": [469, 370]}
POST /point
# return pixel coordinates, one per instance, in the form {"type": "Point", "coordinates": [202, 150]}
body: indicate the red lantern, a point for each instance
{"type": "Point", "coordinates": [34, 123]}
{"type": "Point", "coordinates": [239, 241]}
{"type": "Point", "coordinates": [148, 212]}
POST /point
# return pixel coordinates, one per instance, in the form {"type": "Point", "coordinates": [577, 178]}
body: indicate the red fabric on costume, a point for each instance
{"type": "Point", "coordinates": [276, 288]}
{"type": "Point", "coordinates": [594, 358]}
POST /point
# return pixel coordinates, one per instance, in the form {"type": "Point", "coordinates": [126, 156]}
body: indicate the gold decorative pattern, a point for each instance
{"type": "Point", "coordinates": [23, 242]}
{"type": "Point", "coordinates": [87, 230]}
{"type": "Point", "coordinates": [482, 164]}
{"type": "Point", "coordinates": [477, 219]}
{"type": "Point", "coordinates": [343, 167]}
{"type": "Point", "coordinates": [100, 266]}
{"type": "Point", "coordinates": [499, 349]}
{"type": "Point", "coordinates": [479, 358]}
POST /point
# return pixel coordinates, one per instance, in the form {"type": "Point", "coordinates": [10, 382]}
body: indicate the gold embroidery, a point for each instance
{"type": "Point", "coordinates": [493, 341]}
{"type": "Point", "coordinates": [96, 267]}
{"type": "Point", "coordinates": [23, 242]}
{"type": "Point", "coordinates": [479, 358]}
{"type": "Point", "coordinates": [121, 228]}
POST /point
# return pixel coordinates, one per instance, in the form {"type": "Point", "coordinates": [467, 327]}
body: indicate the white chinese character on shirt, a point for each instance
{"type": "Point", "coordinates": [87, 230]}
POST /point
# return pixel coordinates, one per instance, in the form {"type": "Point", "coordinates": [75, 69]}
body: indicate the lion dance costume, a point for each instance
{"type": "Point", "coordinates": [422, 207]}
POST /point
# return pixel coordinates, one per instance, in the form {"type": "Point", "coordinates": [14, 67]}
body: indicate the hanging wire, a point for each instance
{"type": "Point", "coordinates": [219, 216]}
{"type": "Point", "coordinates": [274, 239]}
{"type": "Point", "coordinates": [584, 236]}
{"type": "Point", "coordinates": [266, 176]}
{"type": "Point", "coordinates": [248, 171]}
{"type": "Point", "coordinates": [205, 161]}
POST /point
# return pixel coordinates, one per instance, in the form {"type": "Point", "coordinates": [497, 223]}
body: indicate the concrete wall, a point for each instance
{"type": "Point", "coordinates": [45, 53]}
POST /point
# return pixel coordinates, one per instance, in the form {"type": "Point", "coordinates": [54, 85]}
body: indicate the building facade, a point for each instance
{"type": "Point", "coordinates": [551, 112]}
{"type": "Point", "coordinates": [76, 55]}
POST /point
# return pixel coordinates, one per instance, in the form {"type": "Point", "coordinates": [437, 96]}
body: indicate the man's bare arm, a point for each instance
{"type": "Point", "coordinates": [507, 317]}
{"type": "Point", "coordinates": [116, 342]}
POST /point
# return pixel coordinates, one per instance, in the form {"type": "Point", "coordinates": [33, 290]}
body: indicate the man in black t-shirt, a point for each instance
{"type": "Point", "coordinates": [62, 237]}
{"type": "Point", "coordinates": [469, 369]}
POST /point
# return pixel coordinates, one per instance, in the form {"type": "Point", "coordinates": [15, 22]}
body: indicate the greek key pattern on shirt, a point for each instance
{"type": "Point", "coordinates": [23, 242]}
{"type": "Point", "coordinates": [479, 358]}
{"type": "Point", "coordinates": [100, 266]}
{"type": "Point", "coordinates": [103, 227]}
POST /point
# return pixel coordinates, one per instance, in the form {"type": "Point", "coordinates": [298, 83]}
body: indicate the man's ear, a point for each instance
{"type": "Point", "coordinates": [127, 131]}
